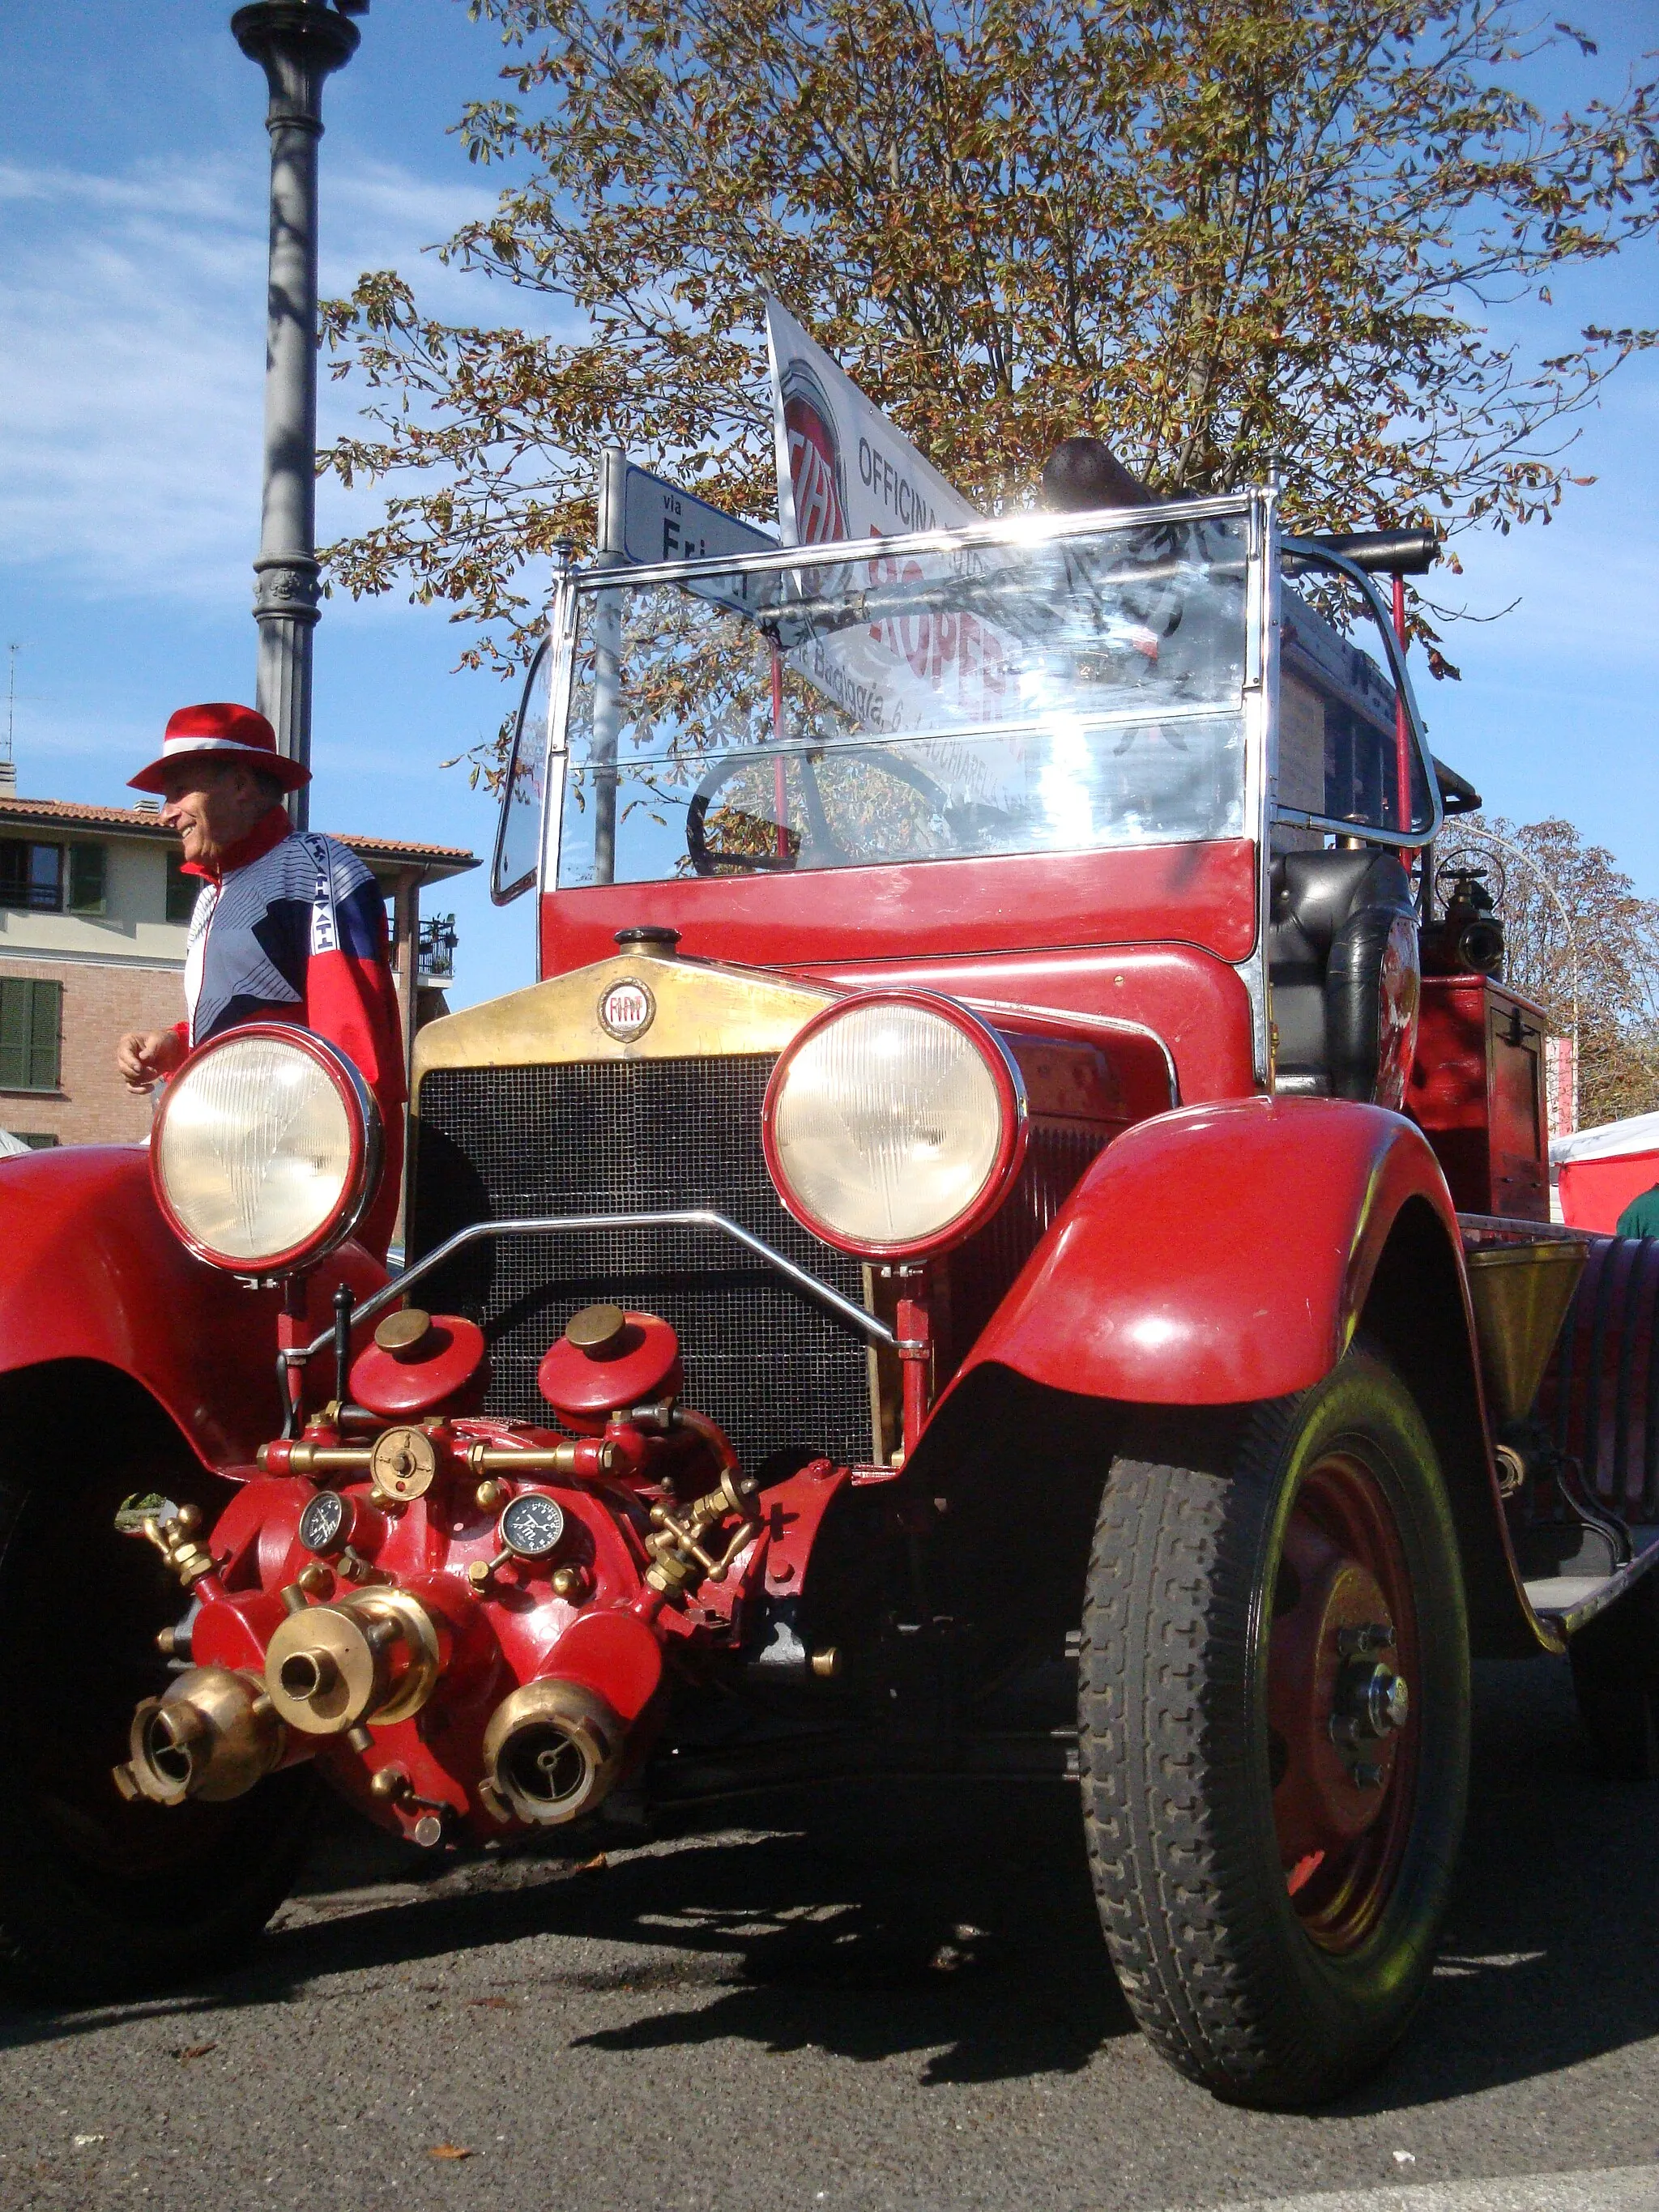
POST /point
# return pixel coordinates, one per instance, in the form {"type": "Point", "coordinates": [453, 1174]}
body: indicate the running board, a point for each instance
{"type": "Point", "coordinates": [1571, 1602]}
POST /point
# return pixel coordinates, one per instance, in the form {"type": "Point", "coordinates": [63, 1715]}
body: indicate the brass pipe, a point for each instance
{"type": "Point", "coordinates": [552, 1459]}
{"type": "Point", "coordinates": [319, 1459]}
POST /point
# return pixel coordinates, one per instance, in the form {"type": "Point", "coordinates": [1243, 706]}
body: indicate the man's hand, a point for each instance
{"type": "Point", "coordinates": [144, 1056]}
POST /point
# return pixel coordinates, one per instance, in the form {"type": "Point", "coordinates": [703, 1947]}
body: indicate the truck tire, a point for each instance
{"type": "Point", "coordinates": [1271, 1892]}
{"type": "Point", "coordinates": [98, 1896]}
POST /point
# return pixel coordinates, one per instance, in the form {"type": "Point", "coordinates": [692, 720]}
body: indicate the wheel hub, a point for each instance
{"type": "Point", "coordinates": [1340, 1707]}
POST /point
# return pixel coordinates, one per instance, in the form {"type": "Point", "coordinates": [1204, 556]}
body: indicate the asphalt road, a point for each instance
{"type": "Point", "coordinates": [856, 2005]}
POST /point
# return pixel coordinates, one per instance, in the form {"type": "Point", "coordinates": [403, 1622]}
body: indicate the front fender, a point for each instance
{"type": "Point", "coordinates": [1216, 1255]}
{"type": "Point", "coordinates": [92, 1271]}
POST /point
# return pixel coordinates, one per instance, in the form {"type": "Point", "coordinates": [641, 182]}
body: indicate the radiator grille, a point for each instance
{"type": "Point", "coordinates": [642, 1136]}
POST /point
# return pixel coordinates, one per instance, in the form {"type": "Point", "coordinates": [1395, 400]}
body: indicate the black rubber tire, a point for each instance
{"type": "Point", "coordinates": [1177, 1793]}
{"type": "Point", "coordinates": [97, 1896]}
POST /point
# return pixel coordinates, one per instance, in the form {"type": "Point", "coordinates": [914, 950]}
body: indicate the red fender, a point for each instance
{"type": "Point", "coordinates": [1216, 1255]}
{"type": "Point", "coordinates": [92, 1271]}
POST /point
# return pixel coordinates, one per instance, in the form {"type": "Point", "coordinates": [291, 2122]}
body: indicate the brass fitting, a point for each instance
{"type": "Point", "coordinates": [212, 1736]}
{"type": "Point", "coordinates": [678, 1559]}
{"type": "Point", "coordinates": [175, 1540]}
{"type": "Point", "coordinates": [403, 1465]}
{"type": "Point", "coordinates": [550, 1754]}
{"type": "Point", "coordinates": [589, 1456]}
{"type": "Point", "coordinates": [317, 1459]}
{"type": "Point", "coordinates": [373, 1655]}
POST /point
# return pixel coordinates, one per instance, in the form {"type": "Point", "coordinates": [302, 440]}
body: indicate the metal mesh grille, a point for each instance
{"type": "Point", "coordinates": [637, 1137]}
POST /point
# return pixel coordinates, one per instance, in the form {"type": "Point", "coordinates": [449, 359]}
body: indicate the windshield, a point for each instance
{"type": "Point", "coordinates": [1059, 694]}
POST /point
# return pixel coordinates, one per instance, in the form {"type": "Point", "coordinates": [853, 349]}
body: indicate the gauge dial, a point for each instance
{"type": "Point", "coordinates": [322, 1525]}
{"type": "Point", "coordinates": [531, 1525]}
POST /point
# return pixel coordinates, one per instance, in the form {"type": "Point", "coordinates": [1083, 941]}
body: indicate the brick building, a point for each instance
{"type": "Point", "coordinates": [94, 913]}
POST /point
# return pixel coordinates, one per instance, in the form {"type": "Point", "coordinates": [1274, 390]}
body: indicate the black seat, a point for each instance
{"type": "Point", "coordinates": [1330, 920]}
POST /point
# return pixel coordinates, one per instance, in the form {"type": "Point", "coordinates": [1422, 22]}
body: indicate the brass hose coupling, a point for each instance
{"type": "Point", "coordinates": [213, 1735]}
{"type": "Point", "coordinates": [373, 1656]}
{"type": "Point", "coordinates": [678, 1559]}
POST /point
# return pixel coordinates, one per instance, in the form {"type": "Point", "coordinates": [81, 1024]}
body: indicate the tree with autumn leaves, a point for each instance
{"type": "Point", "coordinates": [1580, 941]}
{"type": "Point", "coordinates": [1226, 235]}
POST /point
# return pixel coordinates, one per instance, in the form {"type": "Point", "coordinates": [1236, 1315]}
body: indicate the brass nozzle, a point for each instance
{"type": "Point", "coordinates": [374, 1656]}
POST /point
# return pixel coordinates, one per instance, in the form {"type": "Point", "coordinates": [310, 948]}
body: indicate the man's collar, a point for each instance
{"type": "Point", "coordinates": [267, 833]}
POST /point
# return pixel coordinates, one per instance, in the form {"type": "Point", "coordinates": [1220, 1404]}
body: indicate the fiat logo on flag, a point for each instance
{"type": "Point", "coordinates": [814, 458]}
{"type": "Point", "coordinates": [627, 1010]}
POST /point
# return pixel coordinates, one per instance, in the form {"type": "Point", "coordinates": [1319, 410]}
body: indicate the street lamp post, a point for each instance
{"type": "Point", "coordinates": [298, 44]}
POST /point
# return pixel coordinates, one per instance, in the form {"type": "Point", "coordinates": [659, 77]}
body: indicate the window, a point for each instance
{"type": "Point", "coordinates": [31, 876]}
{"type": "Point", "coordinates": [181, 889]}
{"type": "Point", "coordinates": [37, 1141]}
{"type": "Point", "coordinates": [30, 1019]}
{"type": "Point", "coordinates": [87, 880]}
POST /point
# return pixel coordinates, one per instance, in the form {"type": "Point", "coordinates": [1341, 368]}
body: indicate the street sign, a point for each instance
{"type": "Point", "coordinates": [660, 522]}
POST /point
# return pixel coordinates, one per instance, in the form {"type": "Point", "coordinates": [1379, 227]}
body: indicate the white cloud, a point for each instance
{"type": "Point", "coordinates": [131, 387]}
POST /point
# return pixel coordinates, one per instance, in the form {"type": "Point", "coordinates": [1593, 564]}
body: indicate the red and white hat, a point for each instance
{"type": "Point", "coordinates": [221, 731]}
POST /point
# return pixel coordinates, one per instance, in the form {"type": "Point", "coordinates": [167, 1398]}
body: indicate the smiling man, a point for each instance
{"type": "Point", "coordinates": [288, 925]}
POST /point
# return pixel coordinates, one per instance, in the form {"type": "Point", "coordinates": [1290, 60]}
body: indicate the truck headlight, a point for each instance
{"type": "Point", "coordinates": [894, 1124]}
{"type": "Point", "coordinates": [265, 1150]}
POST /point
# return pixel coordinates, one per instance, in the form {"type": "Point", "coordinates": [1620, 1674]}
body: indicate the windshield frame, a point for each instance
{"type": "Point", "coordinates": [1025, 529]}
{"type": "Point", "coordinates": [1310, 555]}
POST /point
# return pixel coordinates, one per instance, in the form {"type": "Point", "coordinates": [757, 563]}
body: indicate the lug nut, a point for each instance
{"type": "Point", "coordinates": [1359, 1642]}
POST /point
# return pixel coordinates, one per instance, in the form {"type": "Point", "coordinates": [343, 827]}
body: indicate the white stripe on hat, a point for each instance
{"type": "Point", "coordinates": [171, 746]}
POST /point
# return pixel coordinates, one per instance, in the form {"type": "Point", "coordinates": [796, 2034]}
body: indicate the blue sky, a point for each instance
{"type": "Point", "coordinates": [132, 180]}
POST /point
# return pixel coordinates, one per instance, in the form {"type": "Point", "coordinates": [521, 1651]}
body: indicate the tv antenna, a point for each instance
{"type": "Point", "coordinates": [12, 652]}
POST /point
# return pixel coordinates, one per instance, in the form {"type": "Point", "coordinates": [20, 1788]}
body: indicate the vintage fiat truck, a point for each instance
{"type": "Point", "coordinates": [1010, 1239]}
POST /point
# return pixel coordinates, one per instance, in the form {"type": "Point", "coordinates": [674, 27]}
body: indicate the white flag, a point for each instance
{"type": "Point", "coordinates": [843, 470]}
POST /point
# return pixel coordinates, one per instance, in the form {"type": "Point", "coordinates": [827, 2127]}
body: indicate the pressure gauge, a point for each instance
{"type": "Point", "coordinates": [323, 1523]}
{"type": "Point", "coordinates": [531, 1525]}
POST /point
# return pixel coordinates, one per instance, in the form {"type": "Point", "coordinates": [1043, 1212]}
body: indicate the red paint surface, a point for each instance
{"type": "Point", "coordinates": [1594, 1192]}
{"type": "Point", "coordinates": [92, 1272]}
{"type": "Point", "coordinates": [1200, 895]}
{"type": "Point", "coordinates": [614, 1654]}
{"type": "Point", "coordinates": [1195, 1005]}
{"type": "Point", "coordinates": [1479, 1096]}
{"type": "Point", "coordinates": [448, 1369]}
{"type": "Point", "coordinates": [1215, 1256]}
{"type": "Point", "coordinates": [584, 1387]}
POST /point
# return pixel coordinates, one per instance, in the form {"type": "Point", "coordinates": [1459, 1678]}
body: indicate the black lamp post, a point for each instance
{"type": "Point", "coordinates": [297, 43]}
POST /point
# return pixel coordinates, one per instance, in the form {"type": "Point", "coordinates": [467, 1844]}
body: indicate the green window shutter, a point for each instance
{"type": "Point", "coordinates": [14, 873]}
{"type": "Point", "coordinates": [87, 874]}
{"type": "Point", "coordinates": [181, 890]}
{"type": "Point", "coordinates": [29, 1022]}
{"type": "Point", "coordinates": [43, 1040]}
{"type": "Point", "coordinates": [16, 1008]}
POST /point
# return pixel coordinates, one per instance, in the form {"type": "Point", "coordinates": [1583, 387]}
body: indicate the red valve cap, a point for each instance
{"type": "Point", "coordinates": [608, 1359]}
{"type": "Point", "coordinates": [444, 1367]}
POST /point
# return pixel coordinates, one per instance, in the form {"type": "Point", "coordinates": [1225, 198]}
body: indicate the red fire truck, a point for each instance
{"type": "Point", "coordinates": [1010, 1239]}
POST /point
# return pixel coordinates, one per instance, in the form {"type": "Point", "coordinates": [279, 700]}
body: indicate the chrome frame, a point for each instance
{"type": "Point", "coordinates": [697, 1216]}
{"type": "Point", "coordinates": [1266, 550]}
{"type": "Point", "coordinates": [1409, 841]}
{"type": "Point", "coordinates": [1014, 529]}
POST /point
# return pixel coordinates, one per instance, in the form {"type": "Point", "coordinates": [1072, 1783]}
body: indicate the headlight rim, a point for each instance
{"type": "Point", "coordinates": [1009, 1084]}
{"type": "Point", "coordinates": [365, 1161]}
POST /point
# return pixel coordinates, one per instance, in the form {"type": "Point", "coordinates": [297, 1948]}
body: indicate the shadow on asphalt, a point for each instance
{"type": "Point", "coordinates": [959, 1923]}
